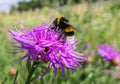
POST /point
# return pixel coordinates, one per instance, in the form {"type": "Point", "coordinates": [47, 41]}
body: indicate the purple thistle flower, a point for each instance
{"type": "Point", "coordinates": [41, 44]}
{"type": "Point", "coordinates": [109, 53]}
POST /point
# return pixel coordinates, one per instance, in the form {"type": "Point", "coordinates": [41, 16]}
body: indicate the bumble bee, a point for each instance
{"type": "Point", "coordinates": [67, 30]}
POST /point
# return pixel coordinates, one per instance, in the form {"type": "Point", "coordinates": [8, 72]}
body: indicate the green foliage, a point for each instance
{"type": "Point", "coordinates": [34, 4]}
{"type": "Point", "coordinates": [98, 27]}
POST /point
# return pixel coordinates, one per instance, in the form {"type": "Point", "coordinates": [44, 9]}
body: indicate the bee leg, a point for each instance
{"type": "Point", "coordinates": [62, 35]}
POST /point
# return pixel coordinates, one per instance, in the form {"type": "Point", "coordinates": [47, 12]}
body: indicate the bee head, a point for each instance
{"type": "Point", "coordinates": [63, 19]}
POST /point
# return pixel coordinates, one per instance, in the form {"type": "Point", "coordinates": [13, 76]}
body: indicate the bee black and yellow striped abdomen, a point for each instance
{"type": "Point", "coordinates": [69, 31]}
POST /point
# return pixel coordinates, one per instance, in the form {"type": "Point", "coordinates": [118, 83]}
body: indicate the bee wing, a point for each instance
{"type": "Point", "coordinates": [73, 27]}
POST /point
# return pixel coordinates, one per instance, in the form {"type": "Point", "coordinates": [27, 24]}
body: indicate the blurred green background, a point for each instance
{"type": "Point", "coordinates": [98, 19]}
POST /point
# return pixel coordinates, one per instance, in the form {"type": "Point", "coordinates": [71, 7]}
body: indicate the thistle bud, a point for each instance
{"type": "Point", "coordinates": [13, 71]}
{"type": "Point", "coordinates": [115, 62]}
{"type": "Point", "coordinates": [89, 60]}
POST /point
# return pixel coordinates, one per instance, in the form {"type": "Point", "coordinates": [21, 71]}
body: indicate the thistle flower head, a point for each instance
{"type": "Point", "coordinates": [42, 44]}
{"type": "Point", "coordinates": [109, 53]}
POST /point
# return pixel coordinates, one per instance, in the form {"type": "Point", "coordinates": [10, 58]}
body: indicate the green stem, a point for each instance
{"type": "Point", "coordinates": [28, 64]}
{"type": "Point", "coordinates": [30, 73]}
{"type": "Point", "coordinates": [15, 77]}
